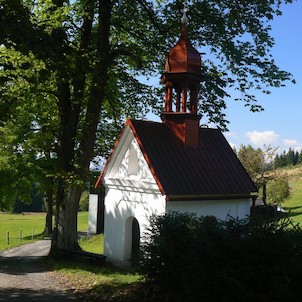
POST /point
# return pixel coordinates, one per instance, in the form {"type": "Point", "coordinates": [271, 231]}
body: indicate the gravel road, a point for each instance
{"type": "Point", "coordinates": [23, 277]}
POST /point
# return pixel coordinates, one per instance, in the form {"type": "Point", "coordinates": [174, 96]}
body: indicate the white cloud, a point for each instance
{"type": "Point", "coordinates": [262, 138]}
{"type": "Point", "coordinates": [290, 142]}
{"type": "Point", "coordinates": [231, 134]}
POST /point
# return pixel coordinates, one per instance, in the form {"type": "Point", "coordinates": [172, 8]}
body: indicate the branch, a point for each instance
{"type": "Point", "coordinates": [152, 16]}
{"type": "Point", "coordinates": [79, 76]}
{"type": "Point", "coordinates": [122, 51]}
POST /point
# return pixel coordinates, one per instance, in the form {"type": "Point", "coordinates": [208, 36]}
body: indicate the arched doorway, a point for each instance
{"type": "Point", "coordinates": [135, 243]}
{"type": "Point", "coordinates": [132, 241]}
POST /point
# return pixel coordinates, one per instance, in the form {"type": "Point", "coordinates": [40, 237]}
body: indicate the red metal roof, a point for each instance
{"type": "Point", "coordinates": [210, 171]}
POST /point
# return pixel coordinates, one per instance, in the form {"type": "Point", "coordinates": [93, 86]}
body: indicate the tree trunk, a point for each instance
{"type": "Point", "coordinates": [75, 165]}
{"type": "Point", "coordinates": [49, 212]}
{"type": "Point", "coordinates": [66, 220]}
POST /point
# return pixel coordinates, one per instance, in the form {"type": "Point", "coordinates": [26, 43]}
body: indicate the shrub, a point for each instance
{"type": "Point", "coordinates": [203, 259]}
{"type": "Point", "coordinates": [278, 190]}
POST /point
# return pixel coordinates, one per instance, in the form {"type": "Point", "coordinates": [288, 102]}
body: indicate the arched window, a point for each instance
{"type": "Point", "coordinates": [132, 162]}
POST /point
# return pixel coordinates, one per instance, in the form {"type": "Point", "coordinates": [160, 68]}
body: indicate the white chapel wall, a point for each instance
{"type": "Point", "coordinates": [121, 207]}
{"type": "Point", "coordinates": [221, 209]}
{"type": "Point", "coordinates": [92, 213]}
{"type": "Point", "coordinates": [130, 193]}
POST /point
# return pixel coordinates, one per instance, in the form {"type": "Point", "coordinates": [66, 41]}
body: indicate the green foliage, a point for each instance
{"type": "Point", "coordinates": [259, 165]}
{"type": "Point", "coordinates": [188, 257]}
{"type": "Point", "coordinates": [84, 202]}
{"type": "Point", "coordinates": [71, 71]}
{"type": "Point", "coordinates": [35, 205]}
{"type": "Point", "coordinates": [252, 159]}
{"type": "Point", "coordinates": [288, 158]}
{"type": "Point", "coordinates": [278, 190]}
{"type": "Point", "coordinates": [236, 34]}
{"type": "Point", "coordinates": [27, 125]}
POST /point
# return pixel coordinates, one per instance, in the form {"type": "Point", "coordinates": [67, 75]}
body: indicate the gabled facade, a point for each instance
{"type": "Point", "coordinates": [175, 165]}
{"type": "Point", "coordinates": [131, 197]}
{"type": "Point", "coordinates": [150, 171]}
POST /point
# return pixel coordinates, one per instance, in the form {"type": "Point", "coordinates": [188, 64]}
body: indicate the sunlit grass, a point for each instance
{"type": "Point", "coordinates": [30, 225]}
{"type": "Point", "coordinates": [82, 221]}
{"type": "Point", "coordinates": [98, 282]}
{"type": "Point", "coordinates": [94, 244]}
{"type": "Point", "coordinates": [294, 203]}
{"type": "Point", "coordinates": [27, 227]}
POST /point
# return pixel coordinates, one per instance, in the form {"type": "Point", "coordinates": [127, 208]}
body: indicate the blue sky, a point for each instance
{"type": "Point", "coordinates": [279, 124]}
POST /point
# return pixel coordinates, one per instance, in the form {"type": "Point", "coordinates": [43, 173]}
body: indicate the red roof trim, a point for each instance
{"type": "Point", "coordinates": [129, 122]}
{"type": "Point", "coordinates": [97, 184]}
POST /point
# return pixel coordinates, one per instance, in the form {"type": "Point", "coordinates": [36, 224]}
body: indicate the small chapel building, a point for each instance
{"type": "Point", "coordinates": [173, 165]}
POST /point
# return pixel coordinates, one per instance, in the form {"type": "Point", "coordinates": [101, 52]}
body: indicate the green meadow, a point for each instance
{"type": "Point", "coordinates": [16, 229]}
{"type": "Point", "coordinates": [294, 203]}
{"type": "Point", "coordinates": [27, 227]}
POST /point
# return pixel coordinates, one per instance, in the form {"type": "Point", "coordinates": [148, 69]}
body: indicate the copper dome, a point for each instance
{"type": "Point", "coordinates": [183, 57]}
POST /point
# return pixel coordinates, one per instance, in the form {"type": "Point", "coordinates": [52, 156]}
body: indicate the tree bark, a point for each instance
{"type": "Point", "coordinates": [66, 220]}
{"type": "Point", "coordinates": [49, 212]}
{"type": "Point", "coordinates": [75, 165]}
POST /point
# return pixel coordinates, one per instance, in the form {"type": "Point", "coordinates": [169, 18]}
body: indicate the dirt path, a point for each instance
{"type": "Point", "coordinates": [23, 277]}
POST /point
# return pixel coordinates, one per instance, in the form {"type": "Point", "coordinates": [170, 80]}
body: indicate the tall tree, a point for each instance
{"type": "Point", "coordinates": [278, 190]}
{"type": "Point", "coordinates": [94, 52]}
{"type": "Point", "coordinates": [258, 164]}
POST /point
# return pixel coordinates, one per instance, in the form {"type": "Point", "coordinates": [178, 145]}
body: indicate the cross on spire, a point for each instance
{"type": "Point", "coordinates": [182, 75]}
{"type": "Point", "coordinates": [184, 19]}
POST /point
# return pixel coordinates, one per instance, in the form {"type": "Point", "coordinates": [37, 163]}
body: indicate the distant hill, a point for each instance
{"type": "Point", "coordinates": [292, 173]}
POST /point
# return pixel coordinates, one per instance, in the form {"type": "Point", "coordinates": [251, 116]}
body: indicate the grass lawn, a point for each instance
{"type": "Point", "coordinates": [96, 282]}
{"type": "Point", "coordinates": [294, 203]}
{"type": "Point", "coordinates": [82, 221]}
{"type": "Point", "coordinates": [30, 224]}
{"type": "Point", "coordinates": [33, 223]}
{"type": "Point", "coordinates": [94, 244]}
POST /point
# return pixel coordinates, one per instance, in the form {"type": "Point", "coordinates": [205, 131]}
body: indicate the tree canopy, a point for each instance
{"type": "Point", "coordinates": [261, 166]}
{"type": "Point", "coordinates": [288, 158]}
{"type": "Point", "coordinates": [70, 71]}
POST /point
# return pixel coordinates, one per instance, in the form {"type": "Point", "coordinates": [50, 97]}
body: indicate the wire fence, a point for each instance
{"type": "Point", "coordinates": [13, 238]}
{"type": "Point", "coordinates": [16, 229]}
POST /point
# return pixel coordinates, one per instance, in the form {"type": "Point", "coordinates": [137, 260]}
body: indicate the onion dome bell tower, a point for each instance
{"type": "Point", "coordinates": [182, 79]}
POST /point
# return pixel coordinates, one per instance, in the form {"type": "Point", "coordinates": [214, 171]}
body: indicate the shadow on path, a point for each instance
{"type": "Point", "coordinates": [25, 277]}
{"type": "Point", "coordinates": [22, 265]}
{"type": "Point", "coordinates": [16, 294]}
